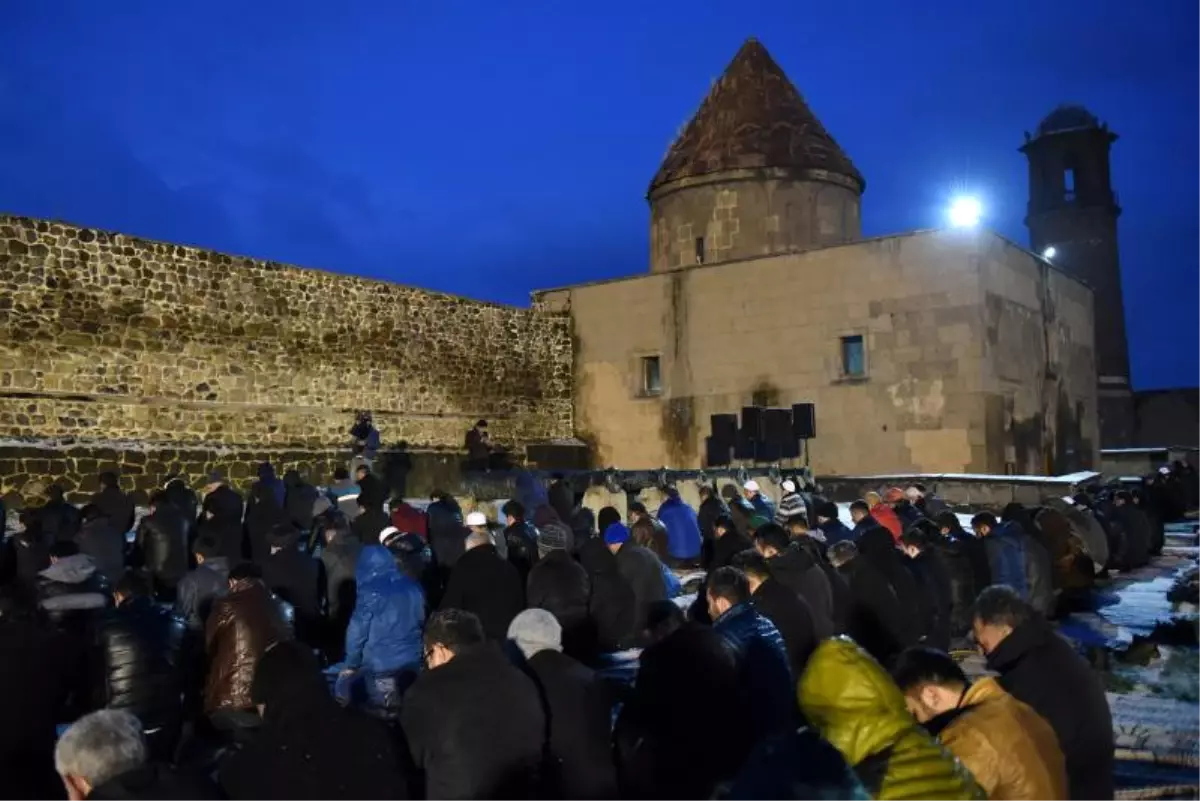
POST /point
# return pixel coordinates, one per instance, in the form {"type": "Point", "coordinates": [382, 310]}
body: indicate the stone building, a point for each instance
{"type": "Point", "coordinates": [153, 358]}
{"type": "Point", "coordinates": [943, 351]}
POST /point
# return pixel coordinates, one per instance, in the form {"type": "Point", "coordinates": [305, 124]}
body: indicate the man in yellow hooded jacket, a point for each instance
{"type": "Point", "coordinates": [855, 705]}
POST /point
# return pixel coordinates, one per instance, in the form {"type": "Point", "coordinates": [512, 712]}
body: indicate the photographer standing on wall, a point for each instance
{"type": "Point", "coordinates": [366, 441]}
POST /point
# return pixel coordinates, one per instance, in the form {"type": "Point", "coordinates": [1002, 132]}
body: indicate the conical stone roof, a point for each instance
{"type": "Point", "coordinates": [753, 117]}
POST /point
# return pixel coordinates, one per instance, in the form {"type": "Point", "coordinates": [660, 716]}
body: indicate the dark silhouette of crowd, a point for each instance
{"type": "Point", "coordinates": [327, 642]}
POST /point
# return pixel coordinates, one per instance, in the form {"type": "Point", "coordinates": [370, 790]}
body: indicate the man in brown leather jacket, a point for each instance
{"type": "Point", "coordinates": [240, 628]}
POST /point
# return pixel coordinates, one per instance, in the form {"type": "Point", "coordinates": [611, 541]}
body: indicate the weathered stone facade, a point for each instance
{"type": "Point", "coordinates": [110, 337]}
{"type": "Point", "coordinates": [978, 357]}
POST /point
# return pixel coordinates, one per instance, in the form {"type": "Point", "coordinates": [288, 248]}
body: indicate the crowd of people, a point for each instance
{"type": "Point", "coordinates": [308, 642]}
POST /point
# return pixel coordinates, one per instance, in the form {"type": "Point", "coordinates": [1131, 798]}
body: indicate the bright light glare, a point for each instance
{"type": "Point", "coordinates": [965, 212]}
{"type": "Point", "coordinates": [1049, 253]}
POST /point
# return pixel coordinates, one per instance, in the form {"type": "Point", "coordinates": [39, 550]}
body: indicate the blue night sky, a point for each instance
{"type": "Point", "coordinates": [489, 148]}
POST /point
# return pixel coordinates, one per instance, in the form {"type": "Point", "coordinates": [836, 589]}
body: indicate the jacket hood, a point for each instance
{"type": "Point", "coordinates": [374, 562]}
{"type": "Point", "coordinates": [851, 700]}
{"type": "Point", "coordinates": [71, 569]}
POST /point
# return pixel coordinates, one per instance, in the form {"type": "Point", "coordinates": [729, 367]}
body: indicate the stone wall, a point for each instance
{"type": "Point", "coordinates": [109, 337]}
{"type": "Point", "coordinates": [746, 216]}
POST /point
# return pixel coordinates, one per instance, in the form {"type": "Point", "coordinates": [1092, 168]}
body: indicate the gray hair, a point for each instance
{"type": "Point", "coordinates": [101, 746]}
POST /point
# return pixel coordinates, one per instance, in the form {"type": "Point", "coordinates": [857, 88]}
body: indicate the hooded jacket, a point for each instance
{"type": "Point", "coordinates": [876, 621]}
{"type": "Point", "coordinates": [793, 618]}
{"type": "Point", "coordinates": [560, 585]}
{"type": "Point", "coordinates": [878, 549]}
{"type": "Point", "coordinates": [683, 528]}
{"type": "Point", "coordinates": [612, 603]}
{"type": "Point", "coordinates": [221, 519]}
{"type": "Point", "coordinates": [763, 665]}
{"type": "Point", "coordinates": [484, 583]}
{"type": "Point", "coordinates": [1009, 749]}
{"type": "Point", "coordinates": [886, 516]}
{"type": "Point", "coordinates": [854, 704]}
{"type": "Point", "coordinates": [384, 635]}
{"type": "Point", "coordinates": [643, 570]}
{"type": "Point", "coordinates": [796, 569]}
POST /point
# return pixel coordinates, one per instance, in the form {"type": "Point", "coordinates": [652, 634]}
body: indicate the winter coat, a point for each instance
{"type": "Point", "coordinates": [854, 704]}
{"type": "Point", "coordinates": [835, 531]}
{"type": "Point", "coordinates": [297, 578]}
{"type": "Point", "coordinates": [155, 781]}
{"type": "Point", "coordinates": [36, 680]}
{"type": "Point", "coordinates": [579, 713]}
{"type": "Point", "coordinates": [263, 515]}
{"type": "Point", "coordinates": [73, 593]}
{"type": "Point", "coordinates": [839, 593]}
{"type": "Point", "coordinates": [792, 616]}
{"type": "Point", "coordinates": [762, 505]}
{"type": "Point", "coordinates": [199, 589]}
{"type": "Point", "coordinates": [310, 747]}
{"type": "Point", "coordinates": [59, 521]}
{"type": "Point", "coordinates": [886, 516]}
{"type": "Point", "coordinates": [612, 605]}
{"type": "Point", "coordinates": [763, 668]}
{"type": "Point", "coordinates": [366, 526]}
{"type": "Point", "coordinates": [880, 551]}
{"type": "Point", "coordinates": [726, 547]}
{"type": "Point", "coordinates": [643, 570]}
{"type": "Point", "coordinates": [876, 621]}
{"type": "Point", "coordinates": [1040, 668]}
{"type": "Point", "coordinates": [796, 569]}
{"type": "Point", "coordinates": [560, 585]}
{"type": "Point", "coordinates": [933, 582]}
{"type": "Point", "coordinates": [1009, 749]}
{"type": "Point", "coordinates": [1005, 548]}
{"type": "Point", "coordinates": [340, 559]}
{"type": "Point", "coordinates": [139, 646]}
{"type": "Point", "coordinates": [487, 585]}
{"type": "Point", "coordinates": [522, 538]}
{"type": "Point", "coordinates": [711, 508]}
{"type": "Point", "coordinates": [683, 528]}
{"type": "Point", "coordinates": [475, 727]}
{"type": "Point", "coordinates": [446, 532]}
{"type": "Point", "coordinates": [268, 486]}
{"type": "Point", "coordinates": [163, 540]}
{"type": "Point", "coordinates": [799, 764]}
{"type": "Point", "coordinates": [221, 519]}
{"type": "Point", "coordinates": [1137, 534]}
{"type": "Point", "coordinates": [1071, 566]}
{"type": "Point", "coordinates": [1039, 576]}
{"type": "Point", "coordinates": [116, 506]}
{"type": "Point", "coordinates": [105, 543]}
{"type": "Point", "coordinates": [963, 590]}
{"type": "Point", "coordinates": [384, 635]}
{"type": "Point", "coordinates": [241, 626]}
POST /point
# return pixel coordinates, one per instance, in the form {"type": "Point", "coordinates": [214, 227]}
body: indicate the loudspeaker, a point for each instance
{"type": "Point", "coordinates": [752, 422]}
{"type": "Point", "coordinates": [777, 426]}
{"type": "Point", "coordinates": [725, 428]}
{"type": "Point", "coordinates": [804, 420]}
{"type": "Point", "coordinates": [767, 451]}
{"type": "Point", "coordinates": [717, 452]}
{"type": "Point", "coordinates": [791, 449]}
{"type": "Point", "coordinates": [743, 448]}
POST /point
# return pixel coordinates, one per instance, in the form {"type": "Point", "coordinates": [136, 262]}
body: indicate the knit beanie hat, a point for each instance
{"type": "Point", "coordinates": [535, 630]}
{"type": "Point", "coordinates": [791, 505]}
{"type": "Point", "coordinates": [616, 534]}
{"type": "Point", "coordinates": [554, 537]}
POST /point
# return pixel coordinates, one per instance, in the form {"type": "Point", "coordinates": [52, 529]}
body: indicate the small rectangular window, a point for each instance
{"type": "Point", "coordinates": [651, 376]}
{"type": "Point", "coordinates": [699, 250]}
{"type": "Point", "coordinates": [853, 362]}
{"type": "Point", "coordinates": [1069, 182]}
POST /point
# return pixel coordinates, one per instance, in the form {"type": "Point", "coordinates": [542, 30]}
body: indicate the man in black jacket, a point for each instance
{"type": "Point", "coordinates": [103, 541]}
{"type": "Point", "coordinates": [876, 621]}
{"type": "Point", "coordinates": [473, 722]}
{"type": "Point", "coordinates": [727, 542]}
{"type": "Point", "coordinates": [138, 649]}
{"type": "Point", "coordinates": [162, 538]}
{"type": "Point", "coordinates": [1039, 667]}
{"type": "Point", "coordinates": [296, 577]}
{"type": "Point", "coordinates": [788, 610]}
{"type": "Point", "coordinates": [116, 505]}
{"type": "Point", "coordinates": [221, 519]}
{"type": "Point", "coordinates": [578, 709]}
{"type": "Point", "coordinates": [711, 508]}
{"type": "Point", "coordinates": [933, 580]}
{"type": "Point", "coordinates": [521, 537]}
{"type": "Point", "coordinates": [796, 569]}
{"type": "Point", "coordinates": [485, 585]}
{"type": "Point", "coordinates": [299, 500]}
{"type": "Point", "coordinates": [60, 520]}
{"type": "Point", "coordinates": [197, 590]}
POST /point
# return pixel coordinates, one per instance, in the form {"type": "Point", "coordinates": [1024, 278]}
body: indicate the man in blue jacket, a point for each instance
{"type": "Point", "coordinates": [1005, 548]}
{"type": "Point", "coordinates": [683, 530]}
{"type": "Point", "coordinates": [383, 641]}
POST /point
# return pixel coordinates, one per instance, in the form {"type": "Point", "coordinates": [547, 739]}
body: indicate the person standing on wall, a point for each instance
{"type": "Point", "coordinates": [366, 441]}
{"type": "Point", "coordinates": [479, 447]}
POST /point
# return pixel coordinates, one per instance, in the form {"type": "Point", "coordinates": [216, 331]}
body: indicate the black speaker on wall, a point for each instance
{"type": "Point", "coordinates": [804, 420]}
{"type": "Point", "coordinates": [716, 452]}
{"type": "Point", "coordinates": [777, 426]}
{"type": "Point", "coordinates": [743, 448]}
{"type": "Point", "coordinates": [725, 428]}
{"type": "Point", "coordinates": [791, 449]}
{"type": "Point", "coordinates": [765, 451]}
{"type": "Point", "coordinates": [752, 422]}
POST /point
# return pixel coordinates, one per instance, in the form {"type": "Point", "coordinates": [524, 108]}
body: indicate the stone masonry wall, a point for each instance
{"type": "Point", "coordinates": [109, 337]}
